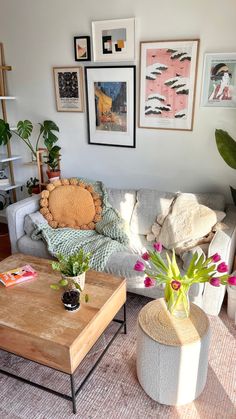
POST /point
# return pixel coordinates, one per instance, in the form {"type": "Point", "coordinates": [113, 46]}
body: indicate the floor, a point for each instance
{"type": "Point", "coordinates": [113, 391]}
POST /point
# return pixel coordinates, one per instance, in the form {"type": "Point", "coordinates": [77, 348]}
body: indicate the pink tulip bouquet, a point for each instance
{"type": "Point", "coordinates": [200, 270]}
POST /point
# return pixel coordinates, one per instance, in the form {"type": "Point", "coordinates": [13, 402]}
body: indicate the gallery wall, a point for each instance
{"type": "Point", "coordinates": [38, 35]}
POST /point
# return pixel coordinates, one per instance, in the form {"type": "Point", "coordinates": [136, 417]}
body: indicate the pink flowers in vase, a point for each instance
{"type": "Point", "coordinates": [200, 270]}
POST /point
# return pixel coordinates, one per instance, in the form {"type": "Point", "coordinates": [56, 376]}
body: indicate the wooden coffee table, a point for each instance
{"type": "Point", "coordinates": [35, 325]}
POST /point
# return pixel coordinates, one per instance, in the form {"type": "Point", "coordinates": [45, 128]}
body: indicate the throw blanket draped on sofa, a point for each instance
{"type": "Point", "coordinates": [109, 236]}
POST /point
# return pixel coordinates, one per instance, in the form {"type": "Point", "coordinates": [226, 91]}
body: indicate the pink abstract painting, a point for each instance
{"type": "Point", "coordinates": [167, 82]}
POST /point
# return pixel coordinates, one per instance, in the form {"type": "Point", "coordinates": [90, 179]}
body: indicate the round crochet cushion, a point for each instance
{"type": "Point", "coordinates": [70, 204]}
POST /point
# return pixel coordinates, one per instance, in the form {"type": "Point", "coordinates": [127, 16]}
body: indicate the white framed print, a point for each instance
{"type": "Point", "coordinates": [68, 83]}
{"type": "Point", "coordinates": [114, 40]}
{"type": "Point", "coordinates": [219, 80]}
{"type": "Point", "coordinates": [110, 95]}
{"type": "Point", "coordinates": [167, 84]}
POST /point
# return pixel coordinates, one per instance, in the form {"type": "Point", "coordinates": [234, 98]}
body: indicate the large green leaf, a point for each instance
{"type": "Point", "coordinates": [47, 128]}
{"type": "Point", "coordinates": [5, 133]}
{"type": "Point", "coordinates": [227, 147]}
{"type": "Point", "coordinates": [24, 129]}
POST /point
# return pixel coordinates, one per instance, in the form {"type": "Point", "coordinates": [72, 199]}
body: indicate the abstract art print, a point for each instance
{"type": "Point", "coordinates": [69, 89]}
{"type": "Point", "coordinates": [114, 40]}
{"type": "Point", "coordinates": [82, 48]}
{"type": "Point", "coordinates": [167, 84]}
{"type": "Point", "coordinates": [219, 80]}
{"type": "Point", "coordinates": [110, 93]}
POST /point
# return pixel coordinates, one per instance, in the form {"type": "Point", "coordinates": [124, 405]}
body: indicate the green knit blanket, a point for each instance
{"type": "Point", "coordinates": [109, 236]}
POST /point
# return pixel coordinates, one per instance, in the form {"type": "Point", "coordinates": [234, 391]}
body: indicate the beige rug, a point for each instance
{"type": "Point", "coordinates": [113, 391]}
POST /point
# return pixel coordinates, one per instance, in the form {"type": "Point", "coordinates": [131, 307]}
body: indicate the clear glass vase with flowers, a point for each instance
{"type": "Point", "coordinates": [200, 270]}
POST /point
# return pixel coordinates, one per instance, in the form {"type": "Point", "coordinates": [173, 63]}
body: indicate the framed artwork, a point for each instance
{"type": "Point", "coordinates": [110, 94]}
{"type": "Point", "coordinates": [114, 40]}
{"type": "Point", "coordinates": [167, 84]}
{"type": "Point", "coordinates": [82, 48]}
{"type": "Point", "coordinates": [219, 80]}
{"type": "Point", "coordinates": [69, 93]}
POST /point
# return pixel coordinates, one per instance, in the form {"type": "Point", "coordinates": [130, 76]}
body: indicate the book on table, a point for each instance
{"type": "Point", "coordinates": [17, 275]}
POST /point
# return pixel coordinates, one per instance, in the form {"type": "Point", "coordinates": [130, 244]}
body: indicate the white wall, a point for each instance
{"type": "Point", "coordinates": [38, 35]}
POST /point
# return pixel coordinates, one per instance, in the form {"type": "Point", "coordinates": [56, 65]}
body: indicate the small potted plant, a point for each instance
{"type": "Point", "coordinates": [72, 270]}
{"type": "Point", "coordinates": [33, 186]}
{"type": "Point", "coordinates": [53, 162]}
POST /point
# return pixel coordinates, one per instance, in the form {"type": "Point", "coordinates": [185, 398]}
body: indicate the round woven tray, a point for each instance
{"type": "Point", "coordinates": [156, 321]}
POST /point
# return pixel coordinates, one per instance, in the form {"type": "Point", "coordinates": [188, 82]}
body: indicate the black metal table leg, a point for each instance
{"type": "Point", "coordinates": [73, 397]}
{"type": "Point", "coordinates": [125, 325]}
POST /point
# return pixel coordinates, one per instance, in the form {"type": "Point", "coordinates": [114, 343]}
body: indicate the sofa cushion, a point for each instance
{"type": "Point", "coordinates": [123, 200]}
{"type": "Point", "coordinates": [30, 220]}
{"type": "Point", "coordinates": [71, 203]}
{"type": "Point", "coordinates": [150, 204]}
{"type": "Point", "coordinates": [187, 221]}
{"type": "Point", "coordinates": [32, 247]}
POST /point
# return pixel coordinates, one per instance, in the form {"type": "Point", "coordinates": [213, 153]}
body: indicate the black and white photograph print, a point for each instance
{"type": "Point", "coordinates": [69, 93]}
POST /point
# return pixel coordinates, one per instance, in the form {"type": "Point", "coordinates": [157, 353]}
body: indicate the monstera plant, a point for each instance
{"type": "Point", "coordinates": [48, 130]}
{"type": "Point", "coordinates": [227, 148]}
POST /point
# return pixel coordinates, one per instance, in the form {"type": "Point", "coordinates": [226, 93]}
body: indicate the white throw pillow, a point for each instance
{"type": "Point", "coordinates": [188, 220]}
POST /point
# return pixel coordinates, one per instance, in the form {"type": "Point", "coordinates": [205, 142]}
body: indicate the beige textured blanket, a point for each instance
{"type": "Point", "coordinates": [186, 223]}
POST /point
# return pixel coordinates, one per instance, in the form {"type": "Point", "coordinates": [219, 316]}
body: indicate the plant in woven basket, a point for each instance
{"type": "Point", "coordinates": [200, 270]}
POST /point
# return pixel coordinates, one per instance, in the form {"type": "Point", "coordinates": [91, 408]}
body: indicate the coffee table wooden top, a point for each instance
{"type": "Point", "coordinates": [35, 325]}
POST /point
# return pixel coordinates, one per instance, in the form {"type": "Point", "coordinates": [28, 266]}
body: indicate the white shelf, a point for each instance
{"type": "Point", "coordinates": [13, 128]}
{"type": "Point", "coordinates": [10, 187]}
{"type": "Point", "coordinates": [4, 158]}
{"type": "Point", "coordinates": [7, 97]}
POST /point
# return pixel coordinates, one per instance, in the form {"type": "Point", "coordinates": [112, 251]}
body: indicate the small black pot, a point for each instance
{"type": "Point", "coordinates": [71, 300]}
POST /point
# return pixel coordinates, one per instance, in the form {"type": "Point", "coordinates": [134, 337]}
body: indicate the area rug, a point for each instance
{"type": "Point", "coordinates": [113, 391]}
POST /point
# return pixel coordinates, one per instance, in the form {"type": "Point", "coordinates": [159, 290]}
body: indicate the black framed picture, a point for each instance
{"type": "Point", "coordinates": [110, 95]}
{"type": "Point", "coordinates": [82, 48]}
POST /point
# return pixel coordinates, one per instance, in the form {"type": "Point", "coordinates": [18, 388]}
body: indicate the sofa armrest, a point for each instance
{"type": "Point", "coordinates": [224, 243]}
{"type": "Point", "coordinates": [15, 216]}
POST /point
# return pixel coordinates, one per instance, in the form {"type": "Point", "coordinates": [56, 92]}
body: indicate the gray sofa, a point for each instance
{"type": "Point", "coordinates": [139, 209]}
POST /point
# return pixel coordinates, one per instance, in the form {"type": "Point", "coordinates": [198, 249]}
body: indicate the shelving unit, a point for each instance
{"type": "Point", "coordinates": [7, 157]}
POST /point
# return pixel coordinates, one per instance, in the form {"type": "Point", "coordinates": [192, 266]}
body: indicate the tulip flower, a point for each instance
{"type": "Point", "coordinates": [149, 282]}
{"type": "Point", "coordinates": [222, 267]}
{"type": "Point", "coordinates": [215, 258]}
{"type": "Point", "coordinates": [145, 256]}
{"type": "Point", "coordinates": [232, 280]}
{"type": "Point", "coordinates": [158, 247]}
{"type": "Point", "coordinates": [139, 266]}
{"type": "Point", "coordinates": [175, 285]}
{"type": "Point", "coordinates": [215, 282]}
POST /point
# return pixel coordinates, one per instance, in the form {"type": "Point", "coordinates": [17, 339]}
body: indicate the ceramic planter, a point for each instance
{"type": "Point", "coordinates": [71, 299]}
{"type": "Point", "coordinates": [79, 279]}
{"type": "Point", "coordinates": [53, 175]}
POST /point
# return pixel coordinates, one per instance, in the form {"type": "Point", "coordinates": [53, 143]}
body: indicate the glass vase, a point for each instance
{"type": "Point", "coordinates": [178, 303]}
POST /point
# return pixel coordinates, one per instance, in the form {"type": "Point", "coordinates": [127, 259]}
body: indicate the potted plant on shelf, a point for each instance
{"type": "Point", "coordinates": [73, 269]}
{"type": "Point", "coordinates": [24, 130]}
{"type": "Point", "coordinates": [53, 162]}
{"type": "Point", "coordinates": [33, 186]}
